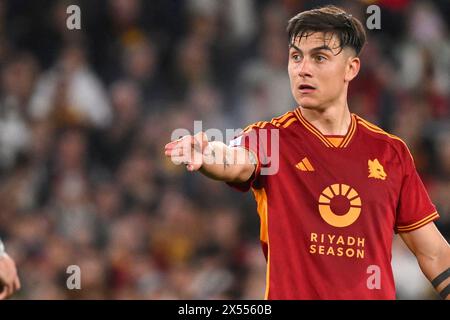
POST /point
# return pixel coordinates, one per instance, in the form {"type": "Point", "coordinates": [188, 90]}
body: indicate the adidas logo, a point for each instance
{"type": "Point", "coordinates": [304, 165]}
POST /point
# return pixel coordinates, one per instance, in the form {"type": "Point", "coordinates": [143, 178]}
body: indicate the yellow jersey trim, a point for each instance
{"type": "Point", "coordinates": [262, 208]}
{"type": "Point", "coordinates": [329, 142]}
{"type": "Point", "coordinates": [313, 130]}
{"type": "Point", "coordinates": [419, 223]}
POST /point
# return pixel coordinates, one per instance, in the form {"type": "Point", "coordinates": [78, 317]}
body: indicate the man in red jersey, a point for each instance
{"type": "Point", "coordinates": [331, 188]}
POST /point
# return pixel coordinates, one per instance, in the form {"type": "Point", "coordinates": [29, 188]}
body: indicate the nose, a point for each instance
{"type": "Point", "coordinates": [304, 68]}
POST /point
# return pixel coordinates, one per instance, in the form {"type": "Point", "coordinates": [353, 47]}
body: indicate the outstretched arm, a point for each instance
{"type": "Point", "coordinates": [214, 159]}
{"type": "Point", "coordinates": [433, 255]}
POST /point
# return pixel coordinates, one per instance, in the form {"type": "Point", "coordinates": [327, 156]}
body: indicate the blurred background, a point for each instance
{"type": "Point", "coordinates": [85, 115]}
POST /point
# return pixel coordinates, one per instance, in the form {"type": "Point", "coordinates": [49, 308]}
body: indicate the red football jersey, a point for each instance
{"type": "Point", "coordinates": [331, 205]}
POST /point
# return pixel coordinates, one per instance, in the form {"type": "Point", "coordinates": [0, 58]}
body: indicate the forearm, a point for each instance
{"type": "Point", "coordinates": [224, 163]}
{"type": "Point", "coordinates": [434, 268]}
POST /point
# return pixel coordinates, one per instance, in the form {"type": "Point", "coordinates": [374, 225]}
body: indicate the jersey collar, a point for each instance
{"type": "Point", "coordinates": [344, 142]}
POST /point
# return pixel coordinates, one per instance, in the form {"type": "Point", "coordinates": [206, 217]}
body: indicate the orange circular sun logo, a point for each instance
{"type": "Point", "coordinates": [339, 205]}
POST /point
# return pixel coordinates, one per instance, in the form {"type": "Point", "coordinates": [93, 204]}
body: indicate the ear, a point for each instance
{"type": "Point", "coordinates": [352, 68]}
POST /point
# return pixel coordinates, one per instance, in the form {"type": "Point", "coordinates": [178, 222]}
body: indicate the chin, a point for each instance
{"type": "Point", "coordinates": [308, 103]}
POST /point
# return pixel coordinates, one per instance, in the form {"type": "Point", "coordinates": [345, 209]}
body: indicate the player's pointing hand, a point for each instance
{"type": "Point", "coordinates": [188, 150]}
{"type": "Point", "coordinates": [9, 280]}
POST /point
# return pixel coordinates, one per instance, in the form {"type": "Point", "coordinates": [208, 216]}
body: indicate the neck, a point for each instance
{"type": "Point", "coordinates": [333, 120]}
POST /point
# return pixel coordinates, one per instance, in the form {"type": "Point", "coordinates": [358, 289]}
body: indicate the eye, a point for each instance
{"type": "Point", "coordinates": [296, 57]}
{"type": "Point", "coordinates": [320, 58]}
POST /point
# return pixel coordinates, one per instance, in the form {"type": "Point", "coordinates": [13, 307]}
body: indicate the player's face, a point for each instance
{"type": "Point", "coordinates": [319, 70]}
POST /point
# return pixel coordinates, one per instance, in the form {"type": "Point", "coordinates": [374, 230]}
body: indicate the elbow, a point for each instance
{"type": "Point", "coordinates": [434, 261]}
{"type": "Point", "coordinates": [435, 254]}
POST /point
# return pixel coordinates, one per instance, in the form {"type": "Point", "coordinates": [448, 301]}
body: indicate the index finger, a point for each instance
{"type": "Point", "coordinates": [172, 144]}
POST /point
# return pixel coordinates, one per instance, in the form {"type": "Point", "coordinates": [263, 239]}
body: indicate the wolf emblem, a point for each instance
{"type": "Point", "coordinates": [376, 170]}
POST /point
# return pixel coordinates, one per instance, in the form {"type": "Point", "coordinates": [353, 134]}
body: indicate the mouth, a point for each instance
{"type": "Point", "coordinates": [306, 88]}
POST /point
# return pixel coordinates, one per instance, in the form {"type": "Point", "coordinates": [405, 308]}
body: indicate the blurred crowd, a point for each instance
{"type": "Point", "coordinates": [85, 114]}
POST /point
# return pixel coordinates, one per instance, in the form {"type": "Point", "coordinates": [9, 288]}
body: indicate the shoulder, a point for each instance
{"type": "Point", "coordinates": [376, 133]}
{"type": "Point", "coordinates": [280, 122]}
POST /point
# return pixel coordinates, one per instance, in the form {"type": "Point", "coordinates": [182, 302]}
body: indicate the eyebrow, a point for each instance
{"type": "Point", "coordinates": [324, 47]}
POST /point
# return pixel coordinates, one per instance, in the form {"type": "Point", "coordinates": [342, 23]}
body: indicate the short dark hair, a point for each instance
{"type": "Point", "coordinates": [328, 19]}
